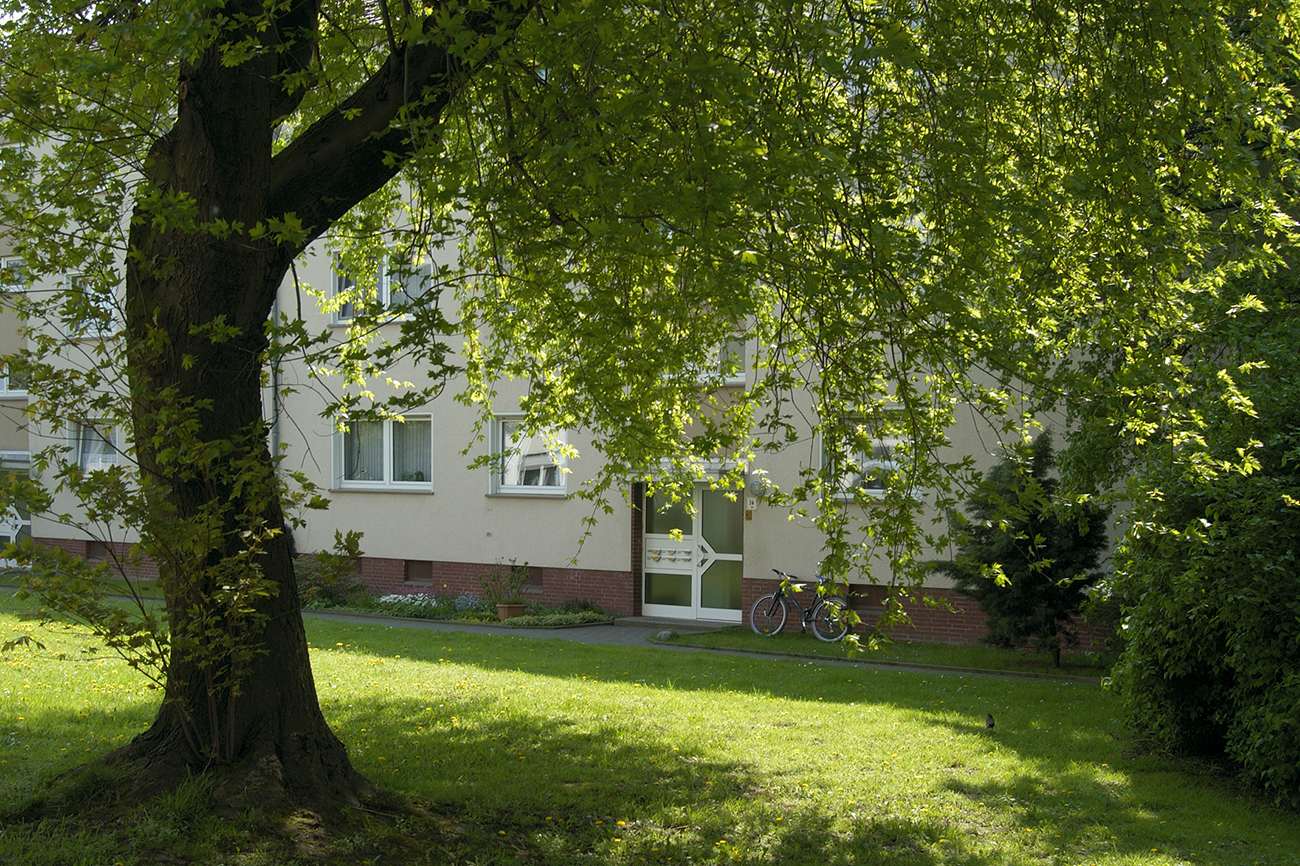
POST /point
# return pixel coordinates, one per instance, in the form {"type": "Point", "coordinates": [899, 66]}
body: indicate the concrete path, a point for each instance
{"type": "Point", "coordinates": [638, 632]}
{"type": "Point", "coordinates": [630, 631]}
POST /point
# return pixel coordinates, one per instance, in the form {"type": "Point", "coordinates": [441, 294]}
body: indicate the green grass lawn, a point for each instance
{"type": "Point", "coordinates": [545, 751]}
{"type": "Point", "coordinates": [900, 652]}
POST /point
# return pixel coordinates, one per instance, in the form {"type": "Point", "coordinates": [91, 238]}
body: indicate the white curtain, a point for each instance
{"type": "Point", "coordinates": [411, 450]}
{"type": "Point", "coordinates": [363, 447]}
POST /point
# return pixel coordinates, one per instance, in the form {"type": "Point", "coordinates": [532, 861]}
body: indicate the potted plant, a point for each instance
{"type": "Point", "coordinates": [504, 587]}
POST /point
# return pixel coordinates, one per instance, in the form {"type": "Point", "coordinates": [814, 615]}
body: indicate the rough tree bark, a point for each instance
{"type": "Point", "coordinates": [181, 278]}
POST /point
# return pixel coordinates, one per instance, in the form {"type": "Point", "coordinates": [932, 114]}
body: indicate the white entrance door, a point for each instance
{"type": "Point", "coordinates": [15, 525]}
{"type": "Point", "coordinates": [696, 576]}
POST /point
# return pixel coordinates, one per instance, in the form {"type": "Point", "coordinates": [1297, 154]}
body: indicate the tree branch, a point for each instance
{"type": "Point", "coordinates": [296, 27]}
{"type": "Point", "coordinates": [360, 145]}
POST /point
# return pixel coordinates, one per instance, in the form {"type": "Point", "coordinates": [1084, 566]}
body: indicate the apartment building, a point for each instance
{"type": "Point", "coordinates": [441, 498]}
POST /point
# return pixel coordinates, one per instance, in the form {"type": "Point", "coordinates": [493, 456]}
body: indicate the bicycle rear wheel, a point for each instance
{"type": "Point", "coordinates": [831, 623]}
{"type": "Point", "coordinates": [767, 617]}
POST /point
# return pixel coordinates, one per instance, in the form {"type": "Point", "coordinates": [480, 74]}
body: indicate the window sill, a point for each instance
{"type": "Point", "coordinates": [527, 494]}
{"type": "Point", "coordinates": [868, 496]}
{"type": "Point", "coordinates": [381, 488]}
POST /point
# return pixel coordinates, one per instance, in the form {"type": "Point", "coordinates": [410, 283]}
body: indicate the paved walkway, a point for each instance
{"type": "Point", "coordinates": [629, 631]}
{"type": "Point", "coordinates": [638, 631]}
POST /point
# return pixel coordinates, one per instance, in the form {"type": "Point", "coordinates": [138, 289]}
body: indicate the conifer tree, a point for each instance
{"type": "Point", "coordinates": [1026, 558]}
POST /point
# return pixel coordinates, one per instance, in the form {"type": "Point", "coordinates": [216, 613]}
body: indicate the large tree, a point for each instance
{"type": "Point", "coordinates": [909, 207]}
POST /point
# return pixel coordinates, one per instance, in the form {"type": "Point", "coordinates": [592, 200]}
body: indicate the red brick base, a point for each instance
{"type": "Point", "coordinates": [614, 591]}
{"type": "Point", "coordinates": [618, 592]}
{"type": "Point", "coordinates": [116, 553]}
{"type": "Point", "coordinates": [953, 619]}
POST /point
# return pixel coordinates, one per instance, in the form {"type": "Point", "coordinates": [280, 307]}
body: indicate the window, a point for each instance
{"type": "Point", "coordinates": [393, 287]}
{"type": "Point", "coordinates": [408, 287]}
{"type": "Point", "coordinates": [526, 465]}
{"type": "Point", "coordinates": [89, 310]}
{"type": "Point", "coordinates": [388, 454]}
{"type": "Point", "coordinates": [95, 446]}
{"type": "Point", "coordinates": [12, 385]}
{"type": "Point", "coordinates": [13, 275]}
{"type": "Point", "coordinates": [419, 571]}
{"type": "Point", "coordinates": [869, 469]}
{"type": "Point", "coordinates": [733, 362]}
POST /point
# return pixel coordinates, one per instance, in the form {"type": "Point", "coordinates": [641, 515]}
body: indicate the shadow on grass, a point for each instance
{"type": "Point", "coordinates": [1056, 740]}
{"type": "Point", "coordinates": [568, 791]}
{"type": "Point", "coordinates": [525, 786]}
{"type": "Point", "coordinates": [514, 788]}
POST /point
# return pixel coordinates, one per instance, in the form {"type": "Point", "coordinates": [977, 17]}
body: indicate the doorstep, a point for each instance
{"type": "Point", "coordinates": [686, 626]}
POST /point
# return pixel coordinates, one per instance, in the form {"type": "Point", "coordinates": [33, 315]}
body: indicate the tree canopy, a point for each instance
{"type": "Point", "coordinates": [912, 209]}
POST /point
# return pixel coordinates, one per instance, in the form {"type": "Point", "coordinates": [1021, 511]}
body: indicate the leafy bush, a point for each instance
{"type": "Point", "coordinates": [505, 584]}
{"type": "Point", "coordinates": [416, 605]}
{"type": "Point", "coordinates": [581, 605]}
{"type": "Point", "coordinates": [1208, 576]}
{"type": "Point", "coordinates": [1023, 556]}
{"type": "Point", "coordinates": [584, 617]}
{"type": "Point", "coordinates": [421, 606]}
{"type": "Point", "coordinates": [329, 579]}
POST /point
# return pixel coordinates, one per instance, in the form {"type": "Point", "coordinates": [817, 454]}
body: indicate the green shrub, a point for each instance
{"type": "Point", "coordinates": [585, 617]}
{"type": "Point", "coordinates": [1023, 556]}
{"type": "Point", "coordinates": [1208, 576]}
{"type": "Point", "coordinates": [329, 579]}
{"type": "Point", "coordinates": [581, 605]}
{"type": "Point", "coordinates": [505, 583]}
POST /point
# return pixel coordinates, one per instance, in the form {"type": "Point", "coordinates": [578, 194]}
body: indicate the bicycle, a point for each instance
{"type": "Point", "coordinates": [829, 616]}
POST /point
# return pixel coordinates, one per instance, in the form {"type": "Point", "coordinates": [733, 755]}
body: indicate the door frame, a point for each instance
{"type": "Point", "coordinates": [690, 555]}
{"type": "Point", "coordinates": [13, 525]}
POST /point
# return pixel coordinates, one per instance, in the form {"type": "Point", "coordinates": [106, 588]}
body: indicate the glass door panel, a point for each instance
{"type": "Point", "coordinates": [720, 585]}
{"type": "Point", "coordinates": [696, 576]}
{"type": "Point", "coordinates": [668, 564]}
{"type": "Point", "coordinates": [722, 521]}
{"type": "Point", "coordinates": [661, 518]}
{"type": "Point", "coordinates": [668, 589]}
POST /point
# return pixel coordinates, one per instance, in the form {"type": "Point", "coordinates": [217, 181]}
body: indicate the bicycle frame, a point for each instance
{"type": "Point", "coordinates": [786, 593]}
{"type": "Point", "coordinates": [828, 617]}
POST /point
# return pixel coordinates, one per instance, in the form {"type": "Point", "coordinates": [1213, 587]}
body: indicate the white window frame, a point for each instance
{"type": "Point", "coordinates": [107, 434]}
{"type": "Point", "coordinates": [385, 281]}
{"type": "Point", "coordinates": [865, 478]}
{"type": "Point", "coordinates": [96, 329]}
{"type": "Point", "coordinates": [18, 266]}
{"type": "Point", "coordinates": [387, 483]}
{"type": "Point", "coordinates": [555, 439]}
{"type": "Point", "coordinates": [7, 389]}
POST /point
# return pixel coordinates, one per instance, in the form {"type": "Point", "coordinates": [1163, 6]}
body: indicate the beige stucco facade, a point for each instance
{"type": "Point", "coordinates": [443, 523]}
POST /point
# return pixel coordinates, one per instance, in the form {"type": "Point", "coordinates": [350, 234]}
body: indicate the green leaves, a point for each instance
{"type": "Point", "coordinates": [1207, 575]}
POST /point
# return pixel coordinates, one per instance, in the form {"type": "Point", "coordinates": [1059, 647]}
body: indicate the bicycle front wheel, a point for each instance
{"type": "Point", "coordinates": [831, 622]}
{"type": "Point", "coordinates": [767, 617]}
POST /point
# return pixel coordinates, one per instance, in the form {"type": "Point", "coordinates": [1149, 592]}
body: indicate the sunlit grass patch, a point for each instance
{"type": "Point", "coordinates": [901, 651]}
{"type": "Point", "coordinates": [558, 753]}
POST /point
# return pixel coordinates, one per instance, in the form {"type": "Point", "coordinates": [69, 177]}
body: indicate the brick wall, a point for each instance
{"type": "Point", "coordinates": [116, 553]}
{"type": "Point", "coordinates": [963, 624]}
{"type": "Point", "coordinates": [614, 591]}
{"type": "Point", "coordinates": [619, 592]}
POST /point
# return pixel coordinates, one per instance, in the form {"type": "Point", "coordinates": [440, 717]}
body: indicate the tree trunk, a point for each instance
{"type": "Point", "coordinates": [240, 692]}
{"type": "Point", "coordinates": [257, 710]}
{"type": "Point", "coordinates": [200, 285]}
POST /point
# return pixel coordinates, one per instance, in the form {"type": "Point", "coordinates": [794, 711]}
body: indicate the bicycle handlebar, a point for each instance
{"type": "Point", "coordinates": [789, 576]}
